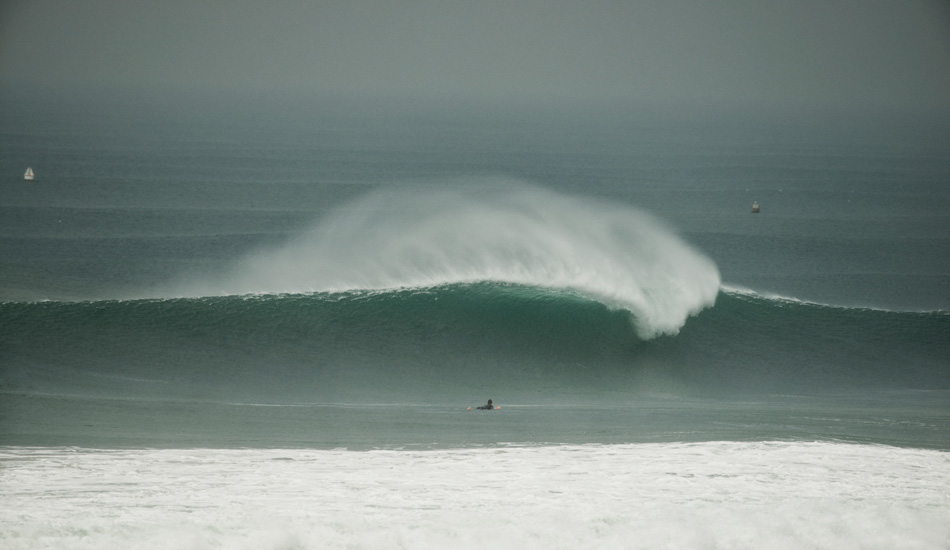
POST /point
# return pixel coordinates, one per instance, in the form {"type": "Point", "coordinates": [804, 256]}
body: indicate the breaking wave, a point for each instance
{"type": "Point", "coordinates": [514, 233]}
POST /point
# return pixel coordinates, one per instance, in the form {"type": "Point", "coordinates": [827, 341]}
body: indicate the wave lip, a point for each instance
{"type": "Point", "coordinates": [509, 232]}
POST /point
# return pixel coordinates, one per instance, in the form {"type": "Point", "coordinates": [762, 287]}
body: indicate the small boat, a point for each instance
{"type": "Point", "coordinates": [755, 207]}
{"type": "Point", "coordinates": [28, 176]}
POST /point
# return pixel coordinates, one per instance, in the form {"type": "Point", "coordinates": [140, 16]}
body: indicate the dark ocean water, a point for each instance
{"type": "Point", "coordinates": [330, 255]}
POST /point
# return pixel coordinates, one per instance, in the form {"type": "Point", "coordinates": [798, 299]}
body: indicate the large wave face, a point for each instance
{"type": "Point", "coordinates": [509, 232]}
{"type": "Point", "coordinates": [447, 343]}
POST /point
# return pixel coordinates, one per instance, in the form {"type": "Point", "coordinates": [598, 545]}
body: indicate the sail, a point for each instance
{"type": "Point", "coordinates": [28, 176]}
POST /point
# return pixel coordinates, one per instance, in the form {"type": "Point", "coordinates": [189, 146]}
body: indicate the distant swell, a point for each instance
{"type": "Point", "coordinates": [505, 232]}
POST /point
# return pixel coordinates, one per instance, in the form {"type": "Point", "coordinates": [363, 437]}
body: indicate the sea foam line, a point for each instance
{"type": "Point", "coordinates": [741, 291]}
{"type": "Point", "coordinates": [676, 495]}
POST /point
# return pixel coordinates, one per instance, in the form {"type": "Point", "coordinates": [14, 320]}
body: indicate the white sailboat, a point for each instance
{"type": "Point", "coordinates": [28, 176]}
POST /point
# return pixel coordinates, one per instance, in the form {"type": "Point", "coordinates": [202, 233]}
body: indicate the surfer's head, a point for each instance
{"type": "Point", "coordinates": [489, 401]}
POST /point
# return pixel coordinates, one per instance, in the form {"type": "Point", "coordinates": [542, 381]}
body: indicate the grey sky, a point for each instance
{"type": "Point", "coordinates": [874, 53]}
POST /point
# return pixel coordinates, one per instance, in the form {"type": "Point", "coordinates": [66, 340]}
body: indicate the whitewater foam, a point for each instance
{"type": "Point", "coordinates": [511, 232]}
{"type": "Point", "coordinates": [678, 495]}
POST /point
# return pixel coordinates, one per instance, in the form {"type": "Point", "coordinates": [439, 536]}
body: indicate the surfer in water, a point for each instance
{"type": "Point", "coordinates": [486, 407]}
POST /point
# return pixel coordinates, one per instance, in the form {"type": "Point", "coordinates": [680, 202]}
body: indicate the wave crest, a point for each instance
{"type": "Point", "coordinates": [508, 232]}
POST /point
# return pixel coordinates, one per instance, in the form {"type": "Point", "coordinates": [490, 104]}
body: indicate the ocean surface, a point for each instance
{"type": "Point", "coordinates": [249, 324]}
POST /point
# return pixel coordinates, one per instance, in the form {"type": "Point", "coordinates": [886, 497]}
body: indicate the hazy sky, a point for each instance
{"type": "Point", "coordinates": [875, 53]}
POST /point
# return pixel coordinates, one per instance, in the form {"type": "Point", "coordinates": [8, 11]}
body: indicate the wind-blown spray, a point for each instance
{"type": "Point", "coordinates": [514, 233]}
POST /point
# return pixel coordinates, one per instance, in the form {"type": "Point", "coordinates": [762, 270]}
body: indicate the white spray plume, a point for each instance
{"type": "Point", "coordinates": [403, 237]}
